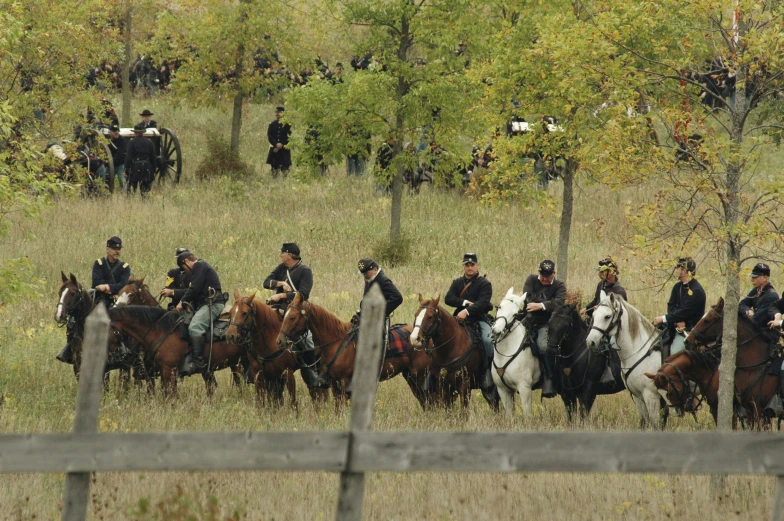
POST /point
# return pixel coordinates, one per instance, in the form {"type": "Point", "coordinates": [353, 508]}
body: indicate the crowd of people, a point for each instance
{"type": "Point", "coordinates": [196, 284]}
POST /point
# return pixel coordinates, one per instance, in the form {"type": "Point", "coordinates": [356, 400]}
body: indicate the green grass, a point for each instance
{"type": "Point", "coordinates": [238, 227]}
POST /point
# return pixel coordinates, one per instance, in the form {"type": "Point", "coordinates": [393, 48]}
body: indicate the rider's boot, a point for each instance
{"type": "Point", "coordinates": [311, 378]}
{"type": "Point", "coordinates": [548, 386]}
{"type": "Point", "coordinates": [194, 363]}
{"type": "Point", "coordinates": [775, 407]}
{"type": "Point", "coordinates": [66, 354]}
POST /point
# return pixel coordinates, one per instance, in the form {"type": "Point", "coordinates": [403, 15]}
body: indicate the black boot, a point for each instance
{"type": "Point", "coordinates": [548, 386]}
{"type": "Point", "coordinates": [309, 376]}
{"type": "Point", "coordinates": [66, 354]}
{"type": "Point", "coordinates": [194, 361]}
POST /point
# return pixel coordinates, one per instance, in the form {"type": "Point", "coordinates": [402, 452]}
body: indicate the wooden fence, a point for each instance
{"type": "Point", "coordinates": [359, 450]}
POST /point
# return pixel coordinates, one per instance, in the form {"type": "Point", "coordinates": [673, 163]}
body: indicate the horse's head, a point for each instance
{"type": "Point", "coordinates": [560, 324]}
{"type": "Point", "coordinates": [709, 328]}
{"type": "Point", "coordinates": [510, 310]}
{"type": "Point", "coordinates": [606, 321]}
{"type": "Point", "coordinates": [427, 321]}
{"type": "Point", "coordinates": [242, 317]}
{"type": "Point", "coordinates": [672, 383]}
{"type": "Point", "coordinates": [72, 298]}
{"type": "Point", "coordinates": [134, 293]}
{"type": "Point", "coordinates": [295, 321]}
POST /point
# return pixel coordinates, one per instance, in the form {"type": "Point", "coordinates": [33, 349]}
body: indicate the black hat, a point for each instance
{"type": "Point", "coordinates": [114, 128]}
{"type": "Point", "coordinates": [290, 247]}
{"type": "Point", "coordinates": [338, 64]}
{"type": "Point", "coordinates": [761, 269]}
{"type": "Point", "coordinates": [279, 109]}
{"type": "Point", "coordinates": [546, 267]}
{"type": "Point", "coordinates": [688, 263]}
{"type": "Point", "coordinates": [139, 129]}
{"type": "Point", "coordinates": [470, 258]}
{"type": "Point", "coordinates": [146, 112]}
{"type": "Point", "coordinates": [182, 256]}
{"type": "Point", "coordinates": [180, 250]}
{"type": "Point", "coordinates": [366, 265]}
{"type": "Point", "coordinates": [114, 242]}
{"type": "Point", "coordinates": [608, 264]}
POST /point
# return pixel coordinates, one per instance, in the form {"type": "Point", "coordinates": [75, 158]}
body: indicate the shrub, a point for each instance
{"type": "Point", "coordinates": [220, 161]}
{"type": "Point", "coordinates": [393, 252]}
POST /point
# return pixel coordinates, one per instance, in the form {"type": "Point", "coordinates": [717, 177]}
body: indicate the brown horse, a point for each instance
{"type": "Point", "coordinates": [336, 346]}
{"type": "Point", "coordinates": [136, 293]}
{"type": "Point", "coordinates": [158, 332]}
{"type": "Point", "coordinates": [73, 306]}
{"type": "Point", "coordinates": [754, 385]}
{"type": "Point", "coordinates": [700, 366]}
{"type": "Point", "coordinates": [254, 326]}
{"type": "Point", "coordinates": [457, 364]}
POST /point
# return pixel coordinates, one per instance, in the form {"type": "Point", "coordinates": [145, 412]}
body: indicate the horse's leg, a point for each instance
{"type": "Point", "coordinates": [526, 398]}
{"type": "Point", "coordinates": [586, 401]}
{"type": "Point", "coordinates": [291, 387]}
{"type": "Point", "coordinates": [570, 404]}
{"type": "Point", "coordinates": [169, 381]}
{"type": "Point", "coordinates": [209, 382]}
{"type": "Point", "coordinates": [642, 410]}
{"type": "Point", "coordinates": [652, 404]}
{"type": "Point", "coordinates": [507, 398]}
{"type": "Point", "coordinates": [465, 390]}
{"type": "Point", "coordinates": [125, 379]}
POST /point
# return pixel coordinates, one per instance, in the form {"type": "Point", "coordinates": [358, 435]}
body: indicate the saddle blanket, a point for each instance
{"type": "Point", "coordinates": [398, 341]}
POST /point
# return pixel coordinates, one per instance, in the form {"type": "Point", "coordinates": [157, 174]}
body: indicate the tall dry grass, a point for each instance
{"type": "Point", "coordinates": [238, 227]}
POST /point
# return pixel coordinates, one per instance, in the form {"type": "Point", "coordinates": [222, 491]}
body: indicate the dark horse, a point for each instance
{"type": "Point", "coordinates": [579, 369]}
{"type": "Point", "coordinates": [158, 332]}
{"type": "Point", "coordinates": [755, 386]}
{"type": "Point", "coordinates": [73, 306]}
{"type": "Point", "coordinates": [700, 366]}
{"type": "Point", "coordinates": [254, 326]}
{"type": "Point", "coordinates": [336, 345]}
{"type": "Point", "coordinates": [457, 364]}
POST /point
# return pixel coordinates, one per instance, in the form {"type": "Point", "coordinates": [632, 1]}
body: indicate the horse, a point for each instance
{"type": "Point", "coordinates": [635, 337]}
{"type": "Point", "coordinates": [336, 344]}
{"type": "Point", "coordinates": [579, 370]}
{"type": "Point", "coordinates": [74, 305]}
{"type": "Point", "coordinates": [254, 326]}
{"type": "Point", "coordinates": [755, 386]}
{"type": "Point", "coordinates": [515, 368]}
{"type": "Point", "coordinates": [700, 366]}
{"type": "Point", "coordinates": [136, 293]}
{"type": "Point", "coordinates": [158, 332]}
{"type": "Point", "coordinates": [457, 363]}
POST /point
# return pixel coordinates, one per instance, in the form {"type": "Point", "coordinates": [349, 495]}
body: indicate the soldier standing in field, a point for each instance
{"type": "Point", "coordinates": [278, 134]}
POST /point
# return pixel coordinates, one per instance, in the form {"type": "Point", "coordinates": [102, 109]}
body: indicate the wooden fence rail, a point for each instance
{"type": "Point", "coordinates": [360, 450]}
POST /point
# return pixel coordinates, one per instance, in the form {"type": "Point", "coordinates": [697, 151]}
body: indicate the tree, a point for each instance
{"type": "Point", "coordinates": [228, 51]}
{"type": "Point", "coordinates": [411, 85]}
{"type": "Point", "coordinates": [715, 78]}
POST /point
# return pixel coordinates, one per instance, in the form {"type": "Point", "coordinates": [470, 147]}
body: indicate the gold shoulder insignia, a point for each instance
{"type": "Point", "coordinates": [100, 262]}
{"type": "Point", "coordinates": [190, 284]}
{"type": "Point", "coordinates": [125, 265]}
{"type": "Point", "coordinates": [169, 281]}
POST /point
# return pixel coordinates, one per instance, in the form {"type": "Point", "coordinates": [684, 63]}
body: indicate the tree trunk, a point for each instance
{"type": "Point", "coordinates": [402, 90]}
{"type": "Point", "coordinates": [567, 208]}
{"type": "Point", "coordinates": [236, 121]}
{"type": "Point", "coordinates": [126, 67]}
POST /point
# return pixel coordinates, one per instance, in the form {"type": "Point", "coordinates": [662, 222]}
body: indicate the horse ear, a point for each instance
{"type": "Point", "coordinates": [720, 305]}
{"type": "Point", "coordinates": [421, 300]}
{"type": "Point", "coordinates": [141, 280]}
{"type": "Point", "coordinates": [237, 297]}
{"type": "Point", "coordinates": [252, 295]}
{"type": "Point", "coordinates": [510, 292]}
{"type": "Point", "coordinates": [650, 375]}
{"type": "Point", "coordinates": [602, 295]}
{"type": "Point", "coordinates": [437, 299]}
{"type": "Point", "coordinates": [65, 279]}
{"type": "Point", "coordinates": [73, 278]}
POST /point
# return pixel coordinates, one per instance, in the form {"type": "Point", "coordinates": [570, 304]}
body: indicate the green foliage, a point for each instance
{"type": "Point", "coordinates": [393, 252]}
{"type": "Point", "coordinates": [221, 161]}
{"type": "Point", "coordinates": [181, 506]}
{"type": "Point", "coordinates": [18, 281]}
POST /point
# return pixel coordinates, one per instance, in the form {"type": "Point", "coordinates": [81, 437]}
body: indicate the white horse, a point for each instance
{"type": "Point", "coordinates": [514, 368]}
{"type": "Point", "coordinates": [635, 336]}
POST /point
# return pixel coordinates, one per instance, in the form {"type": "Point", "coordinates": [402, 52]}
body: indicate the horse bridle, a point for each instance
{"type": "Point", "coordinates": [290, 335]}
{"type": "Point", "coordinates": [517, 318]}
{"type": "Point", "coordinates": [428, 336]}
{"type": "Point", "coordinates": [248, 324]}
{"type": "Point", "coordinates": [69, 310]}
{"type": "Point", "coordinates": [615, 321]}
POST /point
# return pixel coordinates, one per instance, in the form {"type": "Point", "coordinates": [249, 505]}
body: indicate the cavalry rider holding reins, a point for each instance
{"type": "Point", "coordinates": [471, 295]}
{"type": "Point", "coordinates": [177, 281]}
{"type": "Point", "coordinates": [206, 298]}
{"type": "Point", "coordinates": [608, 283]}
{"type": "Point", "coordinates": [288, 278]}
{"type": "Point", "coordinates": [760, 304]}
{"type": "Point", "coordinates": [544, 294]}
{"type": "Point", "coordinates": [685, 307]}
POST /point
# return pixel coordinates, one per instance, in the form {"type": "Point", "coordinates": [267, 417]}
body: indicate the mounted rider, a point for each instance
{"type": "Point", "coordinates": [544, 294]}
{"type": "Point", "coordinates": [110, 275]}
{"type": "Point", "coordinates": [684, 309]}
{"type": "Point", "coordinates": [204, 295]}
{"type": "Point", "coordinates": [608, 283]}
{"type": "Point", "coordinates": [288, 278]}
{"type": "Point", "coordinates": [760, 304]}
{"type": "Point", "coordinates": [471, 295]}
{"type": "Point", "coordinates": [177, 280]}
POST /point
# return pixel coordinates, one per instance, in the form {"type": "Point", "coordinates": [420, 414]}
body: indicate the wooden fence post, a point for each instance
{"type": "Point", "coordinates": [88, 401]}
{"type": "Point", "coordinates": [363, 397]}
{"type": "Point", "coordinates": [777, 514]}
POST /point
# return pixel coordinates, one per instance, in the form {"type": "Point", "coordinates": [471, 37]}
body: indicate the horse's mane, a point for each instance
{"type": "Point", "coordinates": [266, 311]}
{"type": "Point", "coordinates": [328, 319]}
{"type": "Point", "coordinates": [147, 315]}
{"type": "Point", "coordinates": [639, 320]}
{"type": "Point", "coordinates": [570, 311]}
{"type": "Point", "coordinates": [709, 358]}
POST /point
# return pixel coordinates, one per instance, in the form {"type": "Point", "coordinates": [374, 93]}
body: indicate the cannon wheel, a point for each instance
{"type": "Point", "coordinates": [170, 167]}
{"type": "Point", "coordinates": [109, 167]}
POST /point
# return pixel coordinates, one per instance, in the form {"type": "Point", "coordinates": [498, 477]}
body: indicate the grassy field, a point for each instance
{"type": "Point", "coordinates": [238, 227]}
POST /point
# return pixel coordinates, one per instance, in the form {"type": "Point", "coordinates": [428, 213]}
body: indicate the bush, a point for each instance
{"type": "Point", "coordinates": [180, 506]}
{"type": "Point", "coordinates": [393, 252]}
{"type": "Point", "coordinates": [220, 161]}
